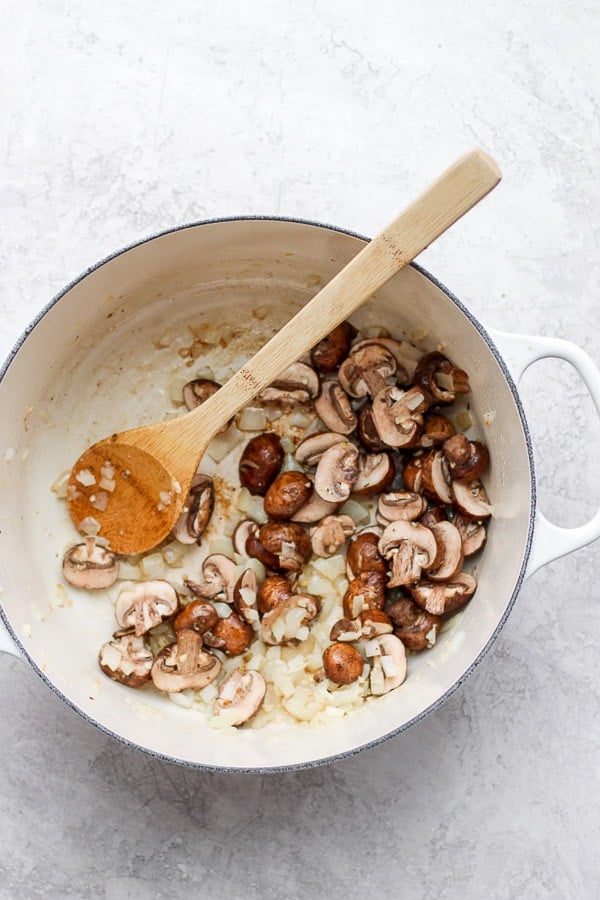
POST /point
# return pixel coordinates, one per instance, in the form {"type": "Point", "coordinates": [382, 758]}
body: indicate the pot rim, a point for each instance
{"type": "Point", "coordinates": [293, 767]}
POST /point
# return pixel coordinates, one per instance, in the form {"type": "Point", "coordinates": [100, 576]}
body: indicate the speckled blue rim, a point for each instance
{"type": "Point", "coordinates": [258, 770]}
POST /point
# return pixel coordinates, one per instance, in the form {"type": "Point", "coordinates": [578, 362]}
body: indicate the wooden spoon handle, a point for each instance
{"type": "Point", "coordinates": [453, 194]}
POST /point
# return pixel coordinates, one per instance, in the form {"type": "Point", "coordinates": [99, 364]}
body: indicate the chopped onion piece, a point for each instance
{"type": "Point", "coordinates": [252, 418]}
{"type": "Point", "coordinates": [85, 477]}
{"type": "Point", "coordinates": [89, 526]}
{"type": "Point", "coordinates": [222, 609]}
{"type": "Point", "coordinates": [59, 485]}
{"type": "Point", "coordinates": [372, 648]}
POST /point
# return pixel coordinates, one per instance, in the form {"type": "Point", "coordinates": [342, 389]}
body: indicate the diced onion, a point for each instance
{"type": "Point", "coordinates": [224, 443]}
{"type": "Point", "coordinates": [223, 610]}
{"type": "Point", "coordinates": [85, 477]}
{"type": "Point", "coordinates": [252, 418]}
{"type": "Point", "coordinates": [372, 648]}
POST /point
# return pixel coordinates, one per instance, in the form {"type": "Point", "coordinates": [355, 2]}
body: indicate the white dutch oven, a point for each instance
{"type": "Point", "coordinates": [91, 363]}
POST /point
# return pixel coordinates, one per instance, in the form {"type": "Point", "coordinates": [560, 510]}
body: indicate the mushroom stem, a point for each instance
{"type": "Point", "coordinates": [189, 644]}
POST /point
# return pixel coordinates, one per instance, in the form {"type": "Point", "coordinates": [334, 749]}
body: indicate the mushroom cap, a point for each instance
{"type": "Point", "coordinates": [273, 591]}
{"type": "Point", "coordinates": [219, 574]}
{"type": "Point", "coordinates": [198, 616]}
{"type": "Point", "coordinates": [450, 551]}
{"type": "Point", "coordinates": [416, 628]}
{"type": "Point", "coordinates": [437, 428]}
{"type": "Point", "coordinates": [198, 390]}
{"type": "Point", "coordinates": [240, 696]}
{"type": "Point", "coordinates": [331, 534]}
{"type": "Point", "coordinates": [89, 565]}
{"type": "Point", "coordinates": [363, 555]}
{"type": "Point", "coordinates": [375, 473]}
{"type": "Point", "coordinates": [443, 597]}
{"type": "Point", "coordinates": [343, 663]}
{"type": "Point", "coordinates": [407, 505]}
{"type": "Point", "coordinates": [260, 462]}
{"type": "Point", "coordinates": [145, 604]}
{"type": "Point", "coordinates": [365, 592]}
{"type": "Point", "coordinates": [240, 536]}
{"type": "Point", "coordinates": [310, 450]}
{"type": "Point", "coordinates": [127, 660]}
{"type": "Point", "coordinates": [289, 544]}
{"type": "Point", "coordinates": [366, 368]}
{"type": "Point", "coordinates": [397, 414]}
{"type": "Point", "coordinates": [299, 383]}
{"type": "Point", "coordinates": [472, 532]}
{"type": "Point", "coordinates": [470, 499]}
{"type": "Point", "coordinates": [166, 675]}
{"type": "Point", "coordinates": [411, 548]}
{"type": "Point", "coordinates": [196, 511]}
{"type": "Point", "coordinates": [374, 622]}
{"type": "Point", "coordinates": [387, 676]}
{"type": "Point", "coordinates": [440, 377]}
{"type": "Point", "coordinates": [233, 635]}
{"type": "Point", "coordinates": [287, 621]}
{"type": "Point", "coordinates": [289, 492]}
{"type": "Point", "coordinates": [406, 355]}
{"type": "Point", "coordinates": [334, 409]}
{"type": "Point", "coordinates": [337, 472]}
{"type": "Point", "coordinates": [436, 481]}
{"type": "Point", "coordinates": [327, 355]}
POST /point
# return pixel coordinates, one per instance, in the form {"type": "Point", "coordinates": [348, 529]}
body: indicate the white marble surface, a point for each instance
{"type": "Point", "coordinates": [120, 119]}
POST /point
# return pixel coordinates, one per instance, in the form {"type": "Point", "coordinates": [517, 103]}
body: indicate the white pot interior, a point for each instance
{"type": "Point", "coordinates": [91, 365]}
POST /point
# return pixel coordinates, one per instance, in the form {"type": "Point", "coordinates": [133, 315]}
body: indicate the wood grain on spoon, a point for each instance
{"type": "Point", "coordinates": [154, 465]}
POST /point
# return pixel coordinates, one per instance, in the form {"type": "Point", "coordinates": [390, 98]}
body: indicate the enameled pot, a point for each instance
{"type": "Point", "coordinates": [92, 363]}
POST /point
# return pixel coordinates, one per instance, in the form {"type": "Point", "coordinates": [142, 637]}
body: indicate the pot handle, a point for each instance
{"type": "Point", "coordinates": [550, 541]}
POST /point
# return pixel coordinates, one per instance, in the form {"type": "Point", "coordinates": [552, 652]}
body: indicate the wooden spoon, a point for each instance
{"type": "Point", "coordinates": [154, 465]}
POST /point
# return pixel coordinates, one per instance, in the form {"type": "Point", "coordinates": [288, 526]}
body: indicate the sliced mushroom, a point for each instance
{"type": "Point", "coordinates": [436, 429]}
{"type": "Point", "coordinates": [346, 630]}
{"type": "Point", "coordinates": [197, 615]}
{"type": "Point", "coordinates": [397, 414]}
{"type": "Point", "coordinates": [273, 591]}
{"type": "Point", "coordinates": [367, 368]}
{"type": "Point", "coordinates": [89, 565]}
{"type": "Point", "coordinates": [218, 572]}
{"type": "Point", "coordinates": [145, 604]}
{"type": "Point", "coordinates": [315, 509]}
{"type": "Point", "coordinates": [376, 472]}
{"type": "Point", "coordinates": [466, 459]}
{"type": "Point", "coordinates": [334, 409]}
{"type": "Point", "coordinates": [407, 505]}
{"type": "Point", "coordinates": [412, 474]}
{"type": "Point", "coordinates": [342, 663]}
{"type": "Point", "coordinates": [330, 535]}
{"type": "Point", "coordinates": [298, 384]}
{"type": "Point", "coordinates": [240, 696]}
{"type": "Point", "coordinates": [245, 596]}
{"type": "Point", "coordinates": [364, 556]}
{"type": "Point", "coordinates": [327, 355]}
{"type": "Point", "coordinates": [374, 622]}
{"type": "Point", "coordinates": [288, 542]}
{"type": "Point", "coordinates": [411, 548]}
{"type": "Point", "coordinates": [288, 621]}
{"type": "Point", "coordinates": [472, 532]}
{"type": "Point", "coordinates": [440, 377]}
{"type": "Point", "coordinates": [197, 391]}
{"type": "Point", "coordinates": [241, 534]}
{"type": "Point", "coordinates": [287, 494]}
{"type": "Point", "coordinates": [337, 472]}
{"type": "Point", "coordinates": [260, 462]}
{"type": "Point", "coordinates": [417, 629]}
{"type": "Point", "coordinates": [127, 660]}
{"type": "Point", "coordinates": [450, 552]}
{"type": "Point", "coordinates": [365, 592]}
{"type": "Point", "coordinates": [311, 449]}
{"type": "Point", "coordinates": [167, 677]}
{"type": "Point", "coordinates": [470, 499]}
{"type": "Point", "coordinates": [366, 431]}
{"type": "Point", "coordinates": [433, 515]}
{"type": "Point", "coordinates": [444, 597]}
{"type": "Point", "coordinates": [436, 481]}
{"type": "Point", "coordinates": [233, 635]}
{"type": "Point", "coordinates": [196, 511]}
{"type": "Point", "coordinates": [388, 666]}
{"type": "Point", "coordinates": [406, 355]}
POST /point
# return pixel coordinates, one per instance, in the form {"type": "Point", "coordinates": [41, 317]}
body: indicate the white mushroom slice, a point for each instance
{"type": "Point", "coordinates": [407, 505]}
{"type": "Point", "coordinates": [287, 621]}
{"type": "Point", "coordinates": [145, 605]}
{"type": "Point", "coordinates": [127, 660]}
{"type": "Point", "coordinates": [167, 677]}
{"type": "Point", "coordinates": [330, 535]}
{"type": "Point", "coordinates": [311, 449]}
{"type": "Point", "coordinates": [441, 598]}
{"type": "Point", "coordinates": [334, 409]}
{"type": "Point", "coordinates": [219, 576]}
{"type": "Point", "coordinates": [411, 548]}
{"type": "Point", "coordinates": [366, 369]}
{"type": "Point", "coordinates": [397, 414]}
{"type": "Point", "coordinates": [450, 551]}
{"type": "Point", "coordinates": [196, 511]}
{"type": "Point", "coordinates": [471, 499]}
{"type": "Point", "coordinates": [388, 667]}
{"type": "Point", "coordinates": [299, 383]}
{"type": "Point", "coordinates": [337, 472]}
{"type": "Point", "coordinates": [436, 478]}
{"type": "Point", "coordinates": [90, 565]}
{"type": "Point", "coordinates": [473, 534]}
{"type": "Point", "coordinates": [375, 472]}
{"type": "Point", "coordinates": [240, 696]}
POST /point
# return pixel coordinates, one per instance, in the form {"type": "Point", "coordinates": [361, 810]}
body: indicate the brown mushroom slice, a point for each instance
{"type": "Point", "coordinates": [298, 384]}
{"type": "Point", "coordinates": [406, 355]}
{"type": "Point", "coordinates": [334, 409]}
{"type": "Point", "coordinates": [416, 628]}
{"type": "Point", "coordinates": [406, 505]}
{"type": "Point", "coordinates": [89, 565]}
{"type": "Point", "coordinates": [240, 696]}
{"type": "Point", "coordinates": [346, 630]}
{"type": "Point", "coordinates": [472, 532]}
{"type": "Point", "coordinates": [337, 472]}
{"type": "Point", "coordinates": [127, 660]}
{"type": "Point", "coordinates": [397, 414]}
{"type": "Point", "coordinates": [436, 482]}
{"type": "Point", "coordinates": [366, 369]}
{"type": "Point", "coordinates": [311, 449]}
{"type": "Point", "coordinates": [388, 666]}
{"type": "Point", "coordinates": [342, 663]}
{"type": "Point", "coordinates": [331, 350]}
{"type": "Point", "coordinates": [219, 574]}
{"type": "Point", "coordinates": [196, 511]}
{"type": "Point", "coordinates": [440, 377]}
{"type": "Point", "coordinates": [412, 474]}
{"type": "Point", "coordinates": [437, 428]}
{"type": "Point", "coordinates": [374, 622]}
{"type": "Point", "coordinates": [145, 604]}
{"type": "Point", "coordinates": [167, 676]}
{"type": "Point", "coordinates": [287, 494]}
{"type": "Point", "coordinates": [273, 591]}
{"type": "Point", "coordinates": [450, 552]}
{"type": "Point", "coordinates": [315, 509]}
{"type": "Point", "coordinates": [241, 534]}
{"type": "Point", "coordinates": [197, 615]}
{"type": "Point", "coordinates": [376, 472]}
{"type": "Point", "coordinates": [363, 555]}
{"type": "Point", "coordinates": [233, 635]}
{"type": "Point", "coordinates": [470, 499]}
{"type": "Point", "coordinates": [245, 596]}
{"type": "Point", "coordinates": [433, 515]}
{"type": "Point", "coordinates": [466, 459]}
{"type": "Point", "coordinates": [330, 535]}
{"type": "Point", "coordinates": [444, 597]}
{"type": "Point", "coordinates": [197, 391]}
{"type": "Point", "coordinates": [288, 621]}
{"type": "Point", "coordinates": [366, 431]}
{"type": "Point", "coordinates": [410, 547]}
{"type": "Point", "coordinates": [260, 462]}
{"type": "Point", "coordinates": [365, 592]}
{"type": "Point", "coordinates": [288, 543]}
